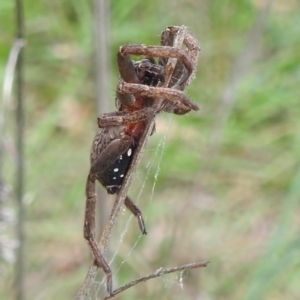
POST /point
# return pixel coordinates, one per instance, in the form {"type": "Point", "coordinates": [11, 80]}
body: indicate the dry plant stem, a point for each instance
{"type": "Point", "coordinates": [156, 274]}
{"type": "Point", "coordinates": [92, 272]}
{"type": "Point", "coordinates": [86, 285]}
{"type": "Point", "coordinates": [7, 91]}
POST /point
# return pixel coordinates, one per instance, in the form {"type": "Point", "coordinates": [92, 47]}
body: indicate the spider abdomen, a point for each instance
{"type": "Point", "coordinates": [115, 174]}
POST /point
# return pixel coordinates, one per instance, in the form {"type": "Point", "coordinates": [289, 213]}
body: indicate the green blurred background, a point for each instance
{"type": "Point", "coordinates": [228, 177]}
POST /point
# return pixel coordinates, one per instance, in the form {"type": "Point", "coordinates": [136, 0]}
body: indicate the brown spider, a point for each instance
{"type": "Point", "coordinates": [145, 88]}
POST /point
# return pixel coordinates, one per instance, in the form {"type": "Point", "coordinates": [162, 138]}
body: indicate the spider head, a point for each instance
{"type": "Point", "coordinates": [148, 72]}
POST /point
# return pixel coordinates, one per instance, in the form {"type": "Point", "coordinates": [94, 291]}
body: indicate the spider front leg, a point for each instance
{"type": "Point", "coordinates": [158, 51]}
{"type": "Point", "coordinates": [175, 97]}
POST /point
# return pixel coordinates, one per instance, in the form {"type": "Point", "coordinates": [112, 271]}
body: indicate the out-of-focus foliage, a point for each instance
{"type": "Point", "coordinates": [228, 187]}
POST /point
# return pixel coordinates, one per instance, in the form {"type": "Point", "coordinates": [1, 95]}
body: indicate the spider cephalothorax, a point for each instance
{"type": "Point", "coordinates": [145, 88]}
{"type": "Point", "coordinates": [149, 72]}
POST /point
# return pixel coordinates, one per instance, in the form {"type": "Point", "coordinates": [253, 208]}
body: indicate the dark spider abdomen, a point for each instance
{"type": "Point", "coordinates": [116, 172]}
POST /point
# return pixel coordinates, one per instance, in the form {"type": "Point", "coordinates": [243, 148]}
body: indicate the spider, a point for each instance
{"type": "Point", "coordinates": [145, 88]}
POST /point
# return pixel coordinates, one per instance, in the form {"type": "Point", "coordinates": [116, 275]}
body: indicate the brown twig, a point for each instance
{"type": "Point", "coordinates": [156, 274]}
{"type": "Point", "coordinates": [20, 114]}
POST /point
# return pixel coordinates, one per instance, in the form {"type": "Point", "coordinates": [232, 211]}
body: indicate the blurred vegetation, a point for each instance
{"type": "Point", "coordinates": [233, 200]}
